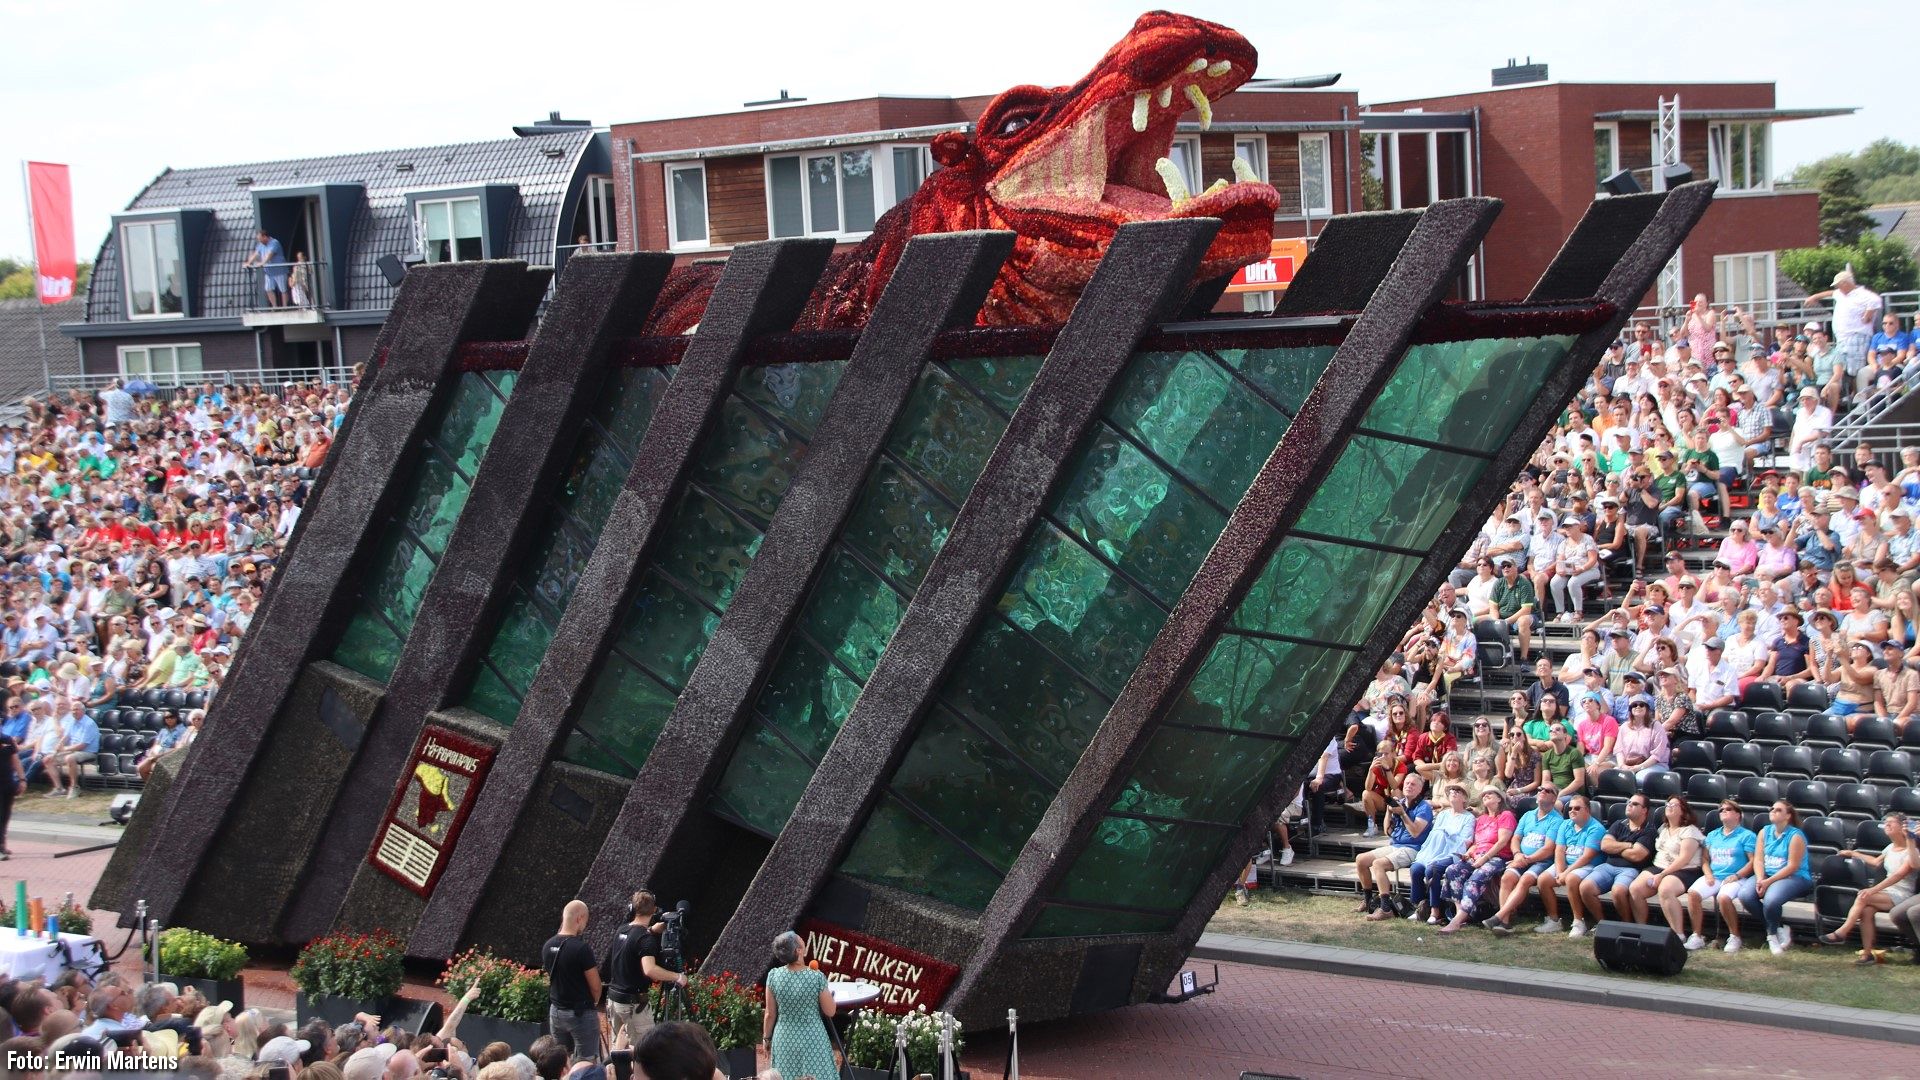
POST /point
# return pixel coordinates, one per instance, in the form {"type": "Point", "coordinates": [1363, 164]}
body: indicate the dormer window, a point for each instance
{"type": "Point", "coordinates": [450, 229]}
{"type": "Point", "coordinates": [156, 272]}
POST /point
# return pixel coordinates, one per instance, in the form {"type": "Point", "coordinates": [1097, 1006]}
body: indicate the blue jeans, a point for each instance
{"type": "Point", "coordinates": [1778, 895]}
{"type": "Point", "coordinates": [1607, 875]}
{"type": "Point", "coordinates": [1426, 879]}
{"type": "Point", "coordinates": [1844, 708]}
{"type": "Point", "coordinates": [1668, 516]}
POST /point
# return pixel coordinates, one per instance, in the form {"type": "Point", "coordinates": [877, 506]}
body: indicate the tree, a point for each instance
{"type": "Point", "coordinates": [1881, 264]}
{"type": "Point", "coordinates": [1879, 160]}
{"type": "Point", "coordinates": [1843, 213]}
{"type": "Point", "coordinates": [16, 280]}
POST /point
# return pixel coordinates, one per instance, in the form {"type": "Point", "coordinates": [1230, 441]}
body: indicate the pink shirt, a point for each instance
{"type": "Point", "coordinates": [1742, 557]}
{"type": "Point", "coordinates": [1777, 562]}
{"type": "Point", "coordinates": [1595, 733]}
{"type": "Point", "coordinates": [1487, 829]}
{"type": "Point", "coordinates": [1648, 742]}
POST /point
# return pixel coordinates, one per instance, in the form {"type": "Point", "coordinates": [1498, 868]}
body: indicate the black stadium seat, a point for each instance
{"type": "Point", "coordinates": [1808, 796]}
{"type": "Point", "coordinates": [1841, 765]}
{"type": "Point", "coordinates": [1806, 697]}
{"type": "Point", "coordinates": [1614, 787]}
{"type": "Point", "coordinates": [1738, 760]}
{"type": "Point", "coordinates": [1705, 791]}
{"type": "Point", "coordinates": [1763, 695]}
{"type": "Point", "coordinates": [152, 699]}
{"type": "Point", "coordinates": [1659, 787]}
{"type": "Point", "coordinates": [1825, 835]}
{"type": "Point", "coordinates": [1910, 735]}
{"type": "Point", "coordinates": [1728, 725]}
{"type": "Point", "coordinates": [1789, 762]}
{"type": "Point", "coordinates": [1907, 801]}
{"type": "Point", "coordinates": [197, 699]}
{"type": "Point", "coordinates": [1860, 802]}
{"type": "Point", "coordinates": [1874, 733]}
{"type": "Point", "coordinates": [1890, 769]}
{"type": "Point", "coordinates": [1757, 792]}
{"type": "Point", "coordinates": [1495, 642]}
{"type": "Point", "coordinates": [1695, 756]}
{"type": "Point", "coordinates": [1776, 729]}
{"type": "Point", "coordinates": [1825, 729]}
{"type": "Point", "coordinates": [1870, 837]}
{"type": "Point", "coordinates": [175, 699]}
{"type": "Point", "coordinates": [1840, 880]}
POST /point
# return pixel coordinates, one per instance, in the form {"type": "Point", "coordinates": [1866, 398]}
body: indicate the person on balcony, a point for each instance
{"type": "Point", "coordinates": [300, 278]}
{"type": "Point", "coordinates": [271, 258]}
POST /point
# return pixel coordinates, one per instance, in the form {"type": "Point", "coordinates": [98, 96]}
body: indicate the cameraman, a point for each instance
{"type": "Point", "coordinates": [573, 981]}
{"type": "Point", "coordinates": [632, 965]}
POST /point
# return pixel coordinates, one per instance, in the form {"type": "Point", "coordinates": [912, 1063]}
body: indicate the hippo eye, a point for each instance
{"type": "Point", "coordinates": [1016, 122]}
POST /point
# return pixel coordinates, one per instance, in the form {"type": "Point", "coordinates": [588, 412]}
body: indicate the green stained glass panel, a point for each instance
{"type": "Point", "coordinates": [945, 433]}
{"type": "Point", "coordinates": [632, 395]}
{"type": "Point", "coordinates": [594, 490]}
{"type": "Point", "coordinates": [1025, 699]}
{"type": "Point", "coordinates": [1390, 493]}
{"type": "Point", "coordinates": [1002, 380]}
{"type": "Point", "coordinates": [764, 780]}
{"type": "Point", "coordinates": [708, 549]}
{"type": "Point", "coordinates": [796, 394]}
{"type": "Point", "coordinates": [974, 788]}
{"type": "Point", "coordinates": [493, 698]}
{"type": "Point", "coordinates": [747, 461]}
{"type": "Point", "coordinates": [478, 402]}
{"type": "Point", "coordinates": [368, 647]}
{"type": "Point", "coordinates": [666, 630]}
{"type": "Point", "coordinates": [1285, 375]}
{"type": "Point", "coordinates": [1199, 776]}
{"type": "Point", "coordinates": [1148, 864]}
{"type": "Point", "coordinates": [1328, 592]}
{"type": "Point", "coordinates": [1139, 518]}
{"type": "Point", "coordinates": [853, 613]}
{"type": "Point", "coordinates": [626, 710]}
{"type": "Point", "coordinates": [1080, 609]}
{"type": "Point", "coordinates": [1058, 921]}
{"type": "Point", "coordinates": [577, 749]}
{"type": "Point", "coordinates": [898, 525]}
{"type": "Point", "coordinates": [807, 697]}
{"type": "Point", "coordinates": [433, 503]}
{"type": "Point", "coordinates": [521, 641]}
{"type": "Point", "coordinates": [1254, 684]}
{"type": "Point", "coordinates": [1198, 419]}
{"type": "Point", "coordinates": [898, 849]}
{"type": "Point", "coordinates": [557, 568]}
{"type": "Point", "coordinates": [1466, 393]}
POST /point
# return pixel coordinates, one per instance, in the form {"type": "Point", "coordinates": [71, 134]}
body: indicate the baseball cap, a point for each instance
{"type": "Point", "coordinates": [284, 1050]}
{"type": "Point", "coordinates": [369, 1062]}
{"type": "Point", "coordinates": [1714, 643]}
{"type": "Point", "coordinates": [1810, 327]}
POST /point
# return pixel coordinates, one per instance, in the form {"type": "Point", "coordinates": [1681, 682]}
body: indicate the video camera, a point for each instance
{"type": "Point", "coordinates": [673, 952]}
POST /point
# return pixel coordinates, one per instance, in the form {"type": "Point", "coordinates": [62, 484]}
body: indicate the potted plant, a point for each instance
{"type": "Point", "coordinates": [191, 958]}
{"type": "Point", "coordinates": [729, 1009]}
{"type": "Point", "coordinates": [342, 974]}
{"type": "Point", "coordinates": [511, 1005]}
{"type": "Point", "coordinates": [871, 1042]}
{"type": "Point", "coordinates": [74, 919]}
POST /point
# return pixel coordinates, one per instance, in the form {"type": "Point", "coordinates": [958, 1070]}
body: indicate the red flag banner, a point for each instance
{"type": "Point", "coordinates": [51, 195]}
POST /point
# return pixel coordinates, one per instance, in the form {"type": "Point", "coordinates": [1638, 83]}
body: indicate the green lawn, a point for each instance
{"type": "Point", "coordinates": [1806, 972]}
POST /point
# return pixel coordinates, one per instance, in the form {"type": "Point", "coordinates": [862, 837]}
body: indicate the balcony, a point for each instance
{"type": "Point", "coordinates": [286, 294]}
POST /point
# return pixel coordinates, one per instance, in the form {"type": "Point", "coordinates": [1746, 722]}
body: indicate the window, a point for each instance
{"type": "Point", "coordinates": [450, 229]}
{"type": "Point", "coordinates": [1737, 156]}
{"type": "Point", "coordinates": [1316, 175]}
{"type": "Point", "coordinates": [839, 192]}
{"type": "Point", "coordinates": [686, 205]}
{"type": "Point", "coordinates": [601, 229]}
{"type": "Point", "coordinates": [1185, 154]}
{"type": "Point", "coordinates": [1746, 280]}
{"type": "Point", "coordinates": [1606, 152]}
{"type": "Point", "coordinates": [161, 363]}
{"type": "Point", "coordinates": [911, 167]}
{"type": "Point", "coordinates": [156, 273]}
{"type": "Point", "coordinates": [1252, 149]}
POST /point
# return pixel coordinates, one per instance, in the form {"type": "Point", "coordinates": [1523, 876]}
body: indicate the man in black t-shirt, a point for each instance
{"type": "Point", "coordinates": [632, 967]}
{"type": "Point", "coordinates": [573, 981]}
{"type": "Point", "coordinates": [1628, 847]}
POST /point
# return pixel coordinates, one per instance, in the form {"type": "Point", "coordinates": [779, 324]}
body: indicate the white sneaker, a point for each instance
{"type": "Point", "coordinates": [1548, 926]}
{"type": "Point", "coordinates": [1286, 856]}
{"type": "Point", "coordinates": [1373, 829]}
{"type": "Point", "coordinates": [1695, 943]}
{"type": "Point", "coordinates": [1579, 929]}
{"type": "Point", "coordinates": [1733, 943]}
{"type": "Point", "coordinates": [1264, 858]}
{"type": "Point", "coordinates": [1774, 946]}
{"type": "Point", "coordinates": [1785, 938]}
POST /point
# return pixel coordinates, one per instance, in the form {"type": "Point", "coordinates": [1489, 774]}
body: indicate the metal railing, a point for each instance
{"type": "Point", "coordinates": [171, 384]}
{"type": "Point", "coordinates": [1769, 313]}
{"type": "Point", "coordinates": [301, 286]}
{"type": "Point", "coordinates": [1887, 439]}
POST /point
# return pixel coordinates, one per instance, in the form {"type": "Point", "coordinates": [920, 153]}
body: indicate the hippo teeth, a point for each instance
{"type": "Point", "coordinates": [1219, 68]}
{"type": "Point", "coordinates": [1243, 172]}
{"type": "Point", "coordinates": [1140, 106]}
{"type": "Point", "coordinates": [1200, 105]}
{"type": "Point", "coordinates": [1166, 95]}
{"type": "Point", "coordinates": [1170, 176]}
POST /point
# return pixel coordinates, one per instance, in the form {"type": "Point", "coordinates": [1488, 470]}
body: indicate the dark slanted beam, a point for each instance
{"type": "Point", "coordinates": [1434, 253]}
{"type": "Point", "coordinates": [1142, 279]}
{"type": "Point", "coordinates": [762, 290]}
{"type": "Point", "coordinates": [1628, 281]}
{"type": "Point", "coordinates": [600, 299]}
{"type": "Point", "coordinates": [1350, 259]}
{"type": "Point", "coordinates": [1594, 248]}
{"type": "Point", "coordinates": [436, 309]}
{"type": "Point", "coordinates": [663, 823]}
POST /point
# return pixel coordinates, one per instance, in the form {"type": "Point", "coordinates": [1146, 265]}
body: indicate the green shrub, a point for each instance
{"type": "Point", "coordinates": [365, 967]}
{"type": "Point", "coordinates": [1881, 265]}
{"type": "Point", "coordinates": [191, 954]}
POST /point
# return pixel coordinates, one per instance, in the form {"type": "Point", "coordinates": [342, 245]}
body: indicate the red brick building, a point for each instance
{"type": "Point", "coordinates": [1544, 147]}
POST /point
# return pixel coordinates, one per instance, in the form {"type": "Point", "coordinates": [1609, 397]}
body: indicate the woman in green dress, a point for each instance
{"type": "Point", "coordinates": [798, 1005]}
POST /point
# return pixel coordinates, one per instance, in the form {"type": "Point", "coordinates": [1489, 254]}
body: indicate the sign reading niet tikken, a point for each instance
{"type": "Point", "coordinates": [906, 979]}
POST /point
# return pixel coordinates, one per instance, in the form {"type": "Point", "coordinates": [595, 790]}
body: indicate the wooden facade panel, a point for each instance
{"type": "Point", "coordinates": [736, 199]}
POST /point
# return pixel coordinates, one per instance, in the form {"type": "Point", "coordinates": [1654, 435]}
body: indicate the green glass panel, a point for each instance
{"type": "Point", "coordinates": [591, 495]}
{"type": "Point", "coordinates": [478, 402]}
{"type": "Point", "coordinates": [1254, 684]}
{"type": "Point", "coordinates": [368, 647]}
{"type": "Point", "coordinates": [1146, 864]}
{"type": "Point", "coordinates": [580, 750]}
{"type": "Point", "coordinates": [1466, 393]}
{"type": "Point", "coordinates": [807, 697]}
{"type": "Point", "coordinates": [1002, 380]}
{"type": "Point", "coordinates": [1057, 921]}
{"type": "Point", "coordinates": [796, 394]}
{"type": "Point", "coordinates": [1285, 375]}
{"type": "Point", "coordinates": [1390, 493]}
{"type": "Point", "coordinates": [492, 698]}
{"type": "Point", "coordinates": [945, 433]}
{"type": "Point", "coordinates": [521, 641]}
{"type": "Point", "coordinates": [974, 788]}
{"type": "Point", "coordinates": [1025, 698]}
{"type": "Point", "coordinates": [666, 630]}
{"type": "Point", "coordinates": [1328, 592]}
{"type": "Point", "coordinates": [747, 461]}
{"type": "Point", "coordinates": [556, 569]}
{"type": "Point", "coordinates": [1136, 516]}
{"type": "Point", "coordinates": [1080, 609]}
{"type": "Point", "coordinates": [898, 525]}
{"type": "Point", "coordinates": [898, 849]}
{"type": "Point", "coordinates": [632, 395]}
{"type": "Point", "coordinates": [626, 710]}
{"type": "Point", "coordinates": [1198, 419]}
{"type": "Point", "coordinates": [1200, 776]}
{"type": "Point", "coordinates": [433, 503]}
{"type": "Point", "coordinates": [853, 613]}
{"type": "Point", "coordinates": [764, 780]}
{"type": "Point", "coordinates": [707, 549]}
{"type": "Point", "coordinates": [398, 582]}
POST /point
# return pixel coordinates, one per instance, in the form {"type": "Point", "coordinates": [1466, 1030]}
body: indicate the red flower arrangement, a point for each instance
{"type": "Point", "coordinates": [364, 967]}
{"type": "Point", "coordinates": [508, 990]}
{"type": "Point", "coordinates": [731, 1010]}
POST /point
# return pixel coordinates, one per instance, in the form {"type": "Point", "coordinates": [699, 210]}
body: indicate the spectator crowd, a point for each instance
{"type": "Point", "coordinates": [1690, 523]}
{"type": "Point", "coordinates": [141, 529]}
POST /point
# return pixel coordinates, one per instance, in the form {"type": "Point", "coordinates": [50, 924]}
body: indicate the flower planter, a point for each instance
{"type": "Point", "coordinates": [404, 1013]}
{"type": "Point", "coordinates": [740, 1061]}
{"type": "Point", "coordinates": [214, 990]}
{"type": "Point", "coordinates": [478, 1031]}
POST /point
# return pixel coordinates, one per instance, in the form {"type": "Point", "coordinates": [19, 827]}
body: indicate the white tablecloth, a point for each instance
{"type": "Point", "coordinates": [38, 958]}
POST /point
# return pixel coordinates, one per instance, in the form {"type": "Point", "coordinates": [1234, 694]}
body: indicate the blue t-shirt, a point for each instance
{"type": "Point", "coordinates": [1421, 811]}
{"type": "Point", "coordinates": [1899, 341]}
{"type": "Point", "coordinates": [1727, 851]}
{"type": "Point", "coordinates": [1578, 840]}
{"type": "Point", "coordinates": [273, 258]}
{"type": "Point", "coordinates": [1538, 830]}
{"type": "Point", "coordinates": [85, 732]}
{"type": "Point", "coordinates": [1779, 848]}
{"type": "Point", "coordinates": [15, 726]}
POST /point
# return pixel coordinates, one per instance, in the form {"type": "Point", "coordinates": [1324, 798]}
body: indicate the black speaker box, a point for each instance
{"type": "Point", "coordinates": [1631, 947]}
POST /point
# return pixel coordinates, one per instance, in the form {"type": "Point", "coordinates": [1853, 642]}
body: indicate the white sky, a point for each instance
{"type": "Point", "coordinates": [120, 90]}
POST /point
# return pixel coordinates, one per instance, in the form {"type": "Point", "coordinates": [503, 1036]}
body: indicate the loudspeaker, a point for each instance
{"type": "Point", "coordinates": [1621, 183]}
{"type": "Point", "coordinates": [122, 809]}
{"type": "Point", "coordinates": [1631, 947]}
{"type": "Point", "coordinates": [392, 268]}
